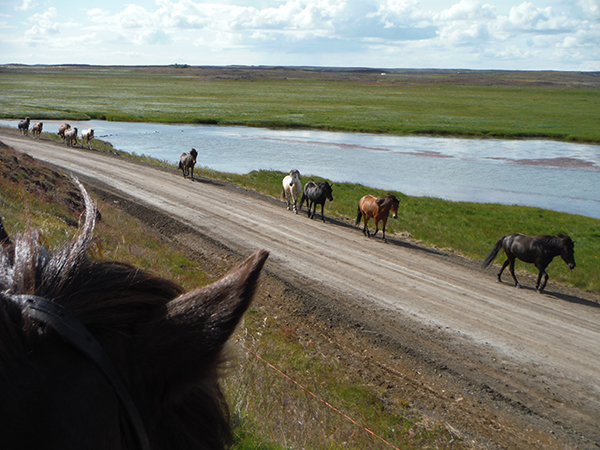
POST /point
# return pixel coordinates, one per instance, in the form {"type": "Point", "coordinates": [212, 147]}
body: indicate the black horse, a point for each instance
{"type": "Point", "coordinates": [537, 250]}
{"type": "Point", "coordinates": [316, 194]}
{"type": "Point", "coordinates": [24, 126]}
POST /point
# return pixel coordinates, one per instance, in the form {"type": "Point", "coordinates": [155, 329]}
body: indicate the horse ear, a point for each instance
{"type": "Point", "coordinates": [188, 340]}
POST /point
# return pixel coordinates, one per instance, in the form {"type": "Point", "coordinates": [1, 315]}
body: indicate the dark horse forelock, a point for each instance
{"type": "Point", "coordinates": [166, 344]}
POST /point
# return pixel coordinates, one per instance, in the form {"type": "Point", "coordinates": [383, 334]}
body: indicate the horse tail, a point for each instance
{"type": "Point", "coordinates": [180, 165]}
{"type": "Point", "coordinates": [358, 216]}
{"type": "Point", "coordinates": [491, 255]}
{"type": "Point", "coordinates": [283, 197]}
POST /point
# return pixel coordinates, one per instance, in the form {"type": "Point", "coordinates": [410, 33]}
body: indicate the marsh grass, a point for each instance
{"type": "Point", "coordinates": [558, 105]}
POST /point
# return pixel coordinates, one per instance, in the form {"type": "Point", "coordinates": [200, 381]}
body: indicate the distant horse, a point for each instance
{"type": "Point", "coordinates": [71, 136]}
{"type": "Point", "coordinates": [379, 209]}
{"type": "Point", "coordinates": [102, 355]}
{"type": "Point", "coordinates": [187, 161]}
{"type": "Point", "coordinates": [292, 189]}
{"type": "Point", "coordinates": [538, 250]}
{"type": "Point", "coordinates": [316, 194]}
{"type": "Point", "coordinates": [36, 130]}
{"type": "Point", "coordinates": [62, 129]}
{"type": "Point", "coordinates": [87, 135]}
{"type": "Point", "coordinates": [24, 126]}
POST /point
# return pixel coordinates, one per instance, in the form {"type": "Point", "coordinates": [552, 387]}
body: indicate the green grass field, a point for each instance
{"type": "Point", "coordinates": [552, 105]}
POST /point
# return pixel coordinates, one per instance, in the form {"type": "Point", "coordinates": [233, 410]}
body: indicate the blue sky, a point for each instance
{"type": "Point", "coordinates": [463, 34]}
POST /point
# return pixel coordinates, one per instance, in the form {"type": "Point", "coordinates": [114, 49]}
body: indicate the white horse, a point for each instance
{"type": "Point", "coordinates": [87, 135]}
{"type": "Point", "coordinates": [71, 136]}
{"type": "Point", "coordinates": [292, 189]}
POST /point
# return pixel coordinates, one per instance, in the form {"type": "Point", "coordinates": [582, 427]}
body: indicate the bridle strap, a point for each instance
{"type": "Point", "coordinates": [74, 332]}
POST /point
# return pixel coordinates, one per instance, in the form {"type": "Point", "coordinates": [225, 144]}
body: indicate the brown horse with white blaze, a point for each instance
{"type": "Point", "coordinates": [378, 208]}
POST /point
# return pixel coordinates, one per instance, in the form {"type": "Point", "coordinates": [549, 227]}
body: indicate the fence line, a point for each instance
{"type": "Point", "coordinates": [316, 396]}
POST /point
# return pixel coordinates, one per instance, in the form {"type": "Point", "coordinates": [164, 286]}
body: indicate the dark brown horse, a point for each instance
{"type": "Point", "coordinates": [101, 355]}
{"type": "Point", "coordinates": [24, 126]}
{"type": "Point", "coordinates": [187, 161]}
{"type": "Point", "coordinates": [62, 129]}
{"type": "Point", "coordinates": [378, 208]}
{"type": "Point", "coordinates": [537, 250]}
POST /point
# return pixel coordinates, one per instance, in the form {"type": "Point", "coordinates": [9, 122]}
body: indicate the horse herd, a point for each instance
{"type": "Point", "coordinates": [537, 250]}
{"type": "Point", "coordinates": [66, 133]}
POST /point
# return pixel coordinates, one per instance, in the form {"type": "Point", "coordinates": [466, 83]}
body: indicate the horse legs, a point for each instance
{"type": "Point", "coordinates": [376, 226]}
{"type": "Point", "coordinates": [365, 228]}
{"type": "Point", "coordinates": [322, 209]}
{"type": "Point", "coordinates": [502, 270]}
{"type": "Point", "coordinates": [383, 231]}
{"type": "Point", "coordinates": [512, 271]}
{"type": "Point", "coordinates": [543, 273]}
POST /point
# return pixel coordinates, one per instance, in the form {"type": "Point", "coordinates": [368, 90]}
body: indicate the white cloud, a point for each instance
{"type": "Point", "coordinates": [591, 8]}
{"type": "Point", "coordinates": [26, 5]}
{"type": "Point", "coordinates": [468, 10]}
{"type": "Point", "coordinates": [44, 24]}
{"type": "Point", "coordinates": [527, 17]}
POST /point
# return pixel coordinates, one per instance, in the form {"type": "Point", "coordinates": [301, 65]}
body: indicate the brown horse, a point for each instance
{"type": "Point", "coordinates": [62, 129]}
{"type": "Point", "coordinates": [101, 355]}
{"type": "Point", "coordinates": [379, 209]}
{"type": "Point", "coordinates": [36, 130]}
{"type": "Point", "coordinates": [538, 250]}
{"type": "Point", "coordinates": [187, 161]}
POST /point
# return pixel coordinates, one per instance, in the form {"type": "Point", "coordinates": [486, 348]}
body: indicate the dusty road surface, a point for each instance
{"type": "Point", "coordinates": [501, 367]}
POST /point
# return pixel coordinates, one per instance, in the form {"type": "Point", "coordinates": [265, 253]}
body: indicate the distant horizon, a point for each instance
{"type": "Point", "coordinates": [507, 35]}
{"type": "Point", "coordinates": [304, 67]}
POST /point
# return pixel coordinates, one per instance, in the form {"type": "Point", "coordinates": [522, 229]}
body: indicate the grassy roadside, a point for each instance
{"type": "Point", "coordinates": [553, 105]}
{"type": "Point", "coordinates": [268, 412]}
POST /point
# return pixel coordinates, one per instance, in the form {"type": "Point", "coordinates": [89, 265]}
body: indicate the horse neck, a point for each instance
{"type": "Point", "coordinates": [552, 245]}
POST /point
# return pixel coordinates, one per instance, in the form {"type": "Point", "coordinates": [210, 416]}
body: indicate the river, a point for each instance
{"type": "Point", "coordinates": [547, 174]}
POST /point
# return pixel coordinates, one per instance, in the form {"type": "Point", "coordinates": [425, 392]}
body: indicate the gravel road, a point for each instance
{"type": "Point", "coordinates": [529, 354]}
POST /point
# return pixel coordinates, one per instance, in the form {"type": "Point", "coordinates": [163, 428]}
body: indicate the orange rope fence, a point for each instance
{"type": "Point", "coordinates": [315, 396]}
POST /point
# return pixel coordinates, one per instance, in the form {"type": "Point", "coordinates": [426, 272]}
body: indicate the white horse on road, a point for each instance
{"type": "Point", "coordinates": [292, 189]}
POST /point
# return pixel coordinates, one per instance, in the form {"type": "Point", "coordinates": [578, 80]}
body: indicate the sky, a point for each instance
{"type": "Point", "coordinates": [444, 34]}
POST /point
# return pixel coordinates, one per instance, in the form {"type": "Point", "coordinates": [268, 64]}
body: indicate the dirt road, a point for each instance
{"type": "Point", "coordinates": [525, 366]}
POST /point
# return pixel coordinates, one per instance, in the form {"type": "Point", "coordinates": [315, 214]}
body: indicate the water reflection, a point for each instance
{"type": "Point", "coordinates": [547, 174]}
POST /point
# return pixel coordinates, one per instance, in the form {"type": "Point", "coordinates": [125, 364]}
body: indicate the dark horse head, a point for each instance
{"type": "Point", "coordinates": [165, 346]}
{"type": "Point", "coordinates": [567, 250]}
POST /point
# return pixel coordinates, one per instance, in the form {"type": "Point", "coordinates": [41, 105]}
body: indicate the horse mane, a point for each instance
{"type": "Point", "coordinates": [116, 302]}
{"type": "Point", "coordinates": [554, 242]}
